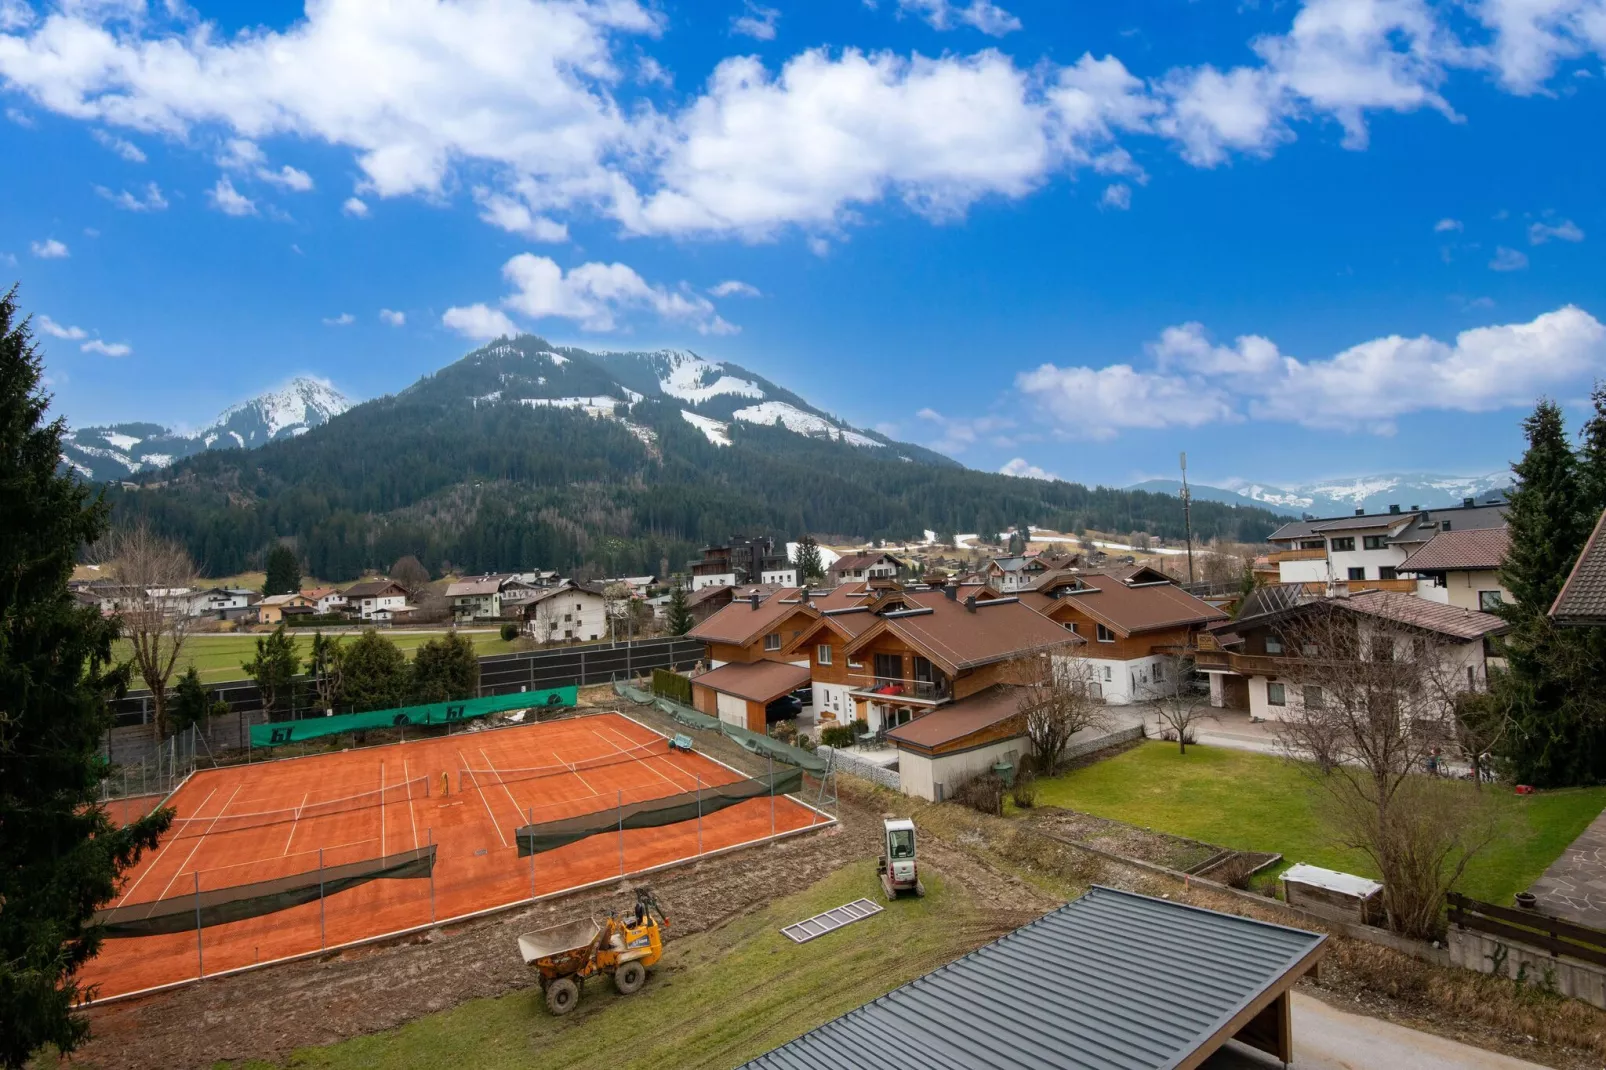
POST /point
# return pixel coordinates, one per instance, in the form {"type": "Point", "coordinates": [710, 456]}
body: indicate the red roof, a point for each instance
{"type": "Point", "coordinates": [1473, 548]}
{"type": "Point", "coordinates": [1126, 610]}
{"type": "Point", "coordinates": [760, 681]}
{"type": "Point", "coordinates": [741, 622]}
{"type": "Point", "coordinates": [951, 723]}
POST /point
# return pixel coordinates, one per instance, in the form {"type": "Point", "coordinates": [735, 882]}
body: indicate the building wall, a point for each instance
{"type": "Point", "coordinates": [730, 709]}
{"type": "Point", "coordinates": [786, 577]}
{"type": "Point", "coordinates": [934, 777]}
{"type": "Point", "coordinates": [1370, 560]}
{"type": "Point", "coordinates": [1124, 680]}
{"type": "Point", "coordinates": [1302, 572]}
{"type": "Point", "coordinates": [836, 701]}
{"type": "Point", "coordinates": [722, 579]}
{"type": "Point", "coordinates": [1461, 589]}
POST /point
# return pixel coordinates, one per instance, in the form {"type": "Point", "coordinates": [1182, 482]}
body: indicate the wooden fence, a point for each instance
{"type": "Point", "coordinates": [1527, 927]}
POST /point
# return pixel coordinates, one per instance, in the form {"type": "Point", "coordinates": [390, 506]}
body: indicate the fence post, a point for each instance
{"type": "Point", "coordinates": [200, 958]}
{"type": "Point", "coordinates": [583, 679]}
{"type": "Point", "coordinates": [431, 833]}
{"type": "Point", "coordinates": [699, 815]}
{"type": "Point", "coordinates": [529, 814]}
{"type": "Point", "coordinates": [772, 794]}
{"type": "Point", "coordinates": [323, 931]}
{"type": "Point", "coordinates": [621, 834]}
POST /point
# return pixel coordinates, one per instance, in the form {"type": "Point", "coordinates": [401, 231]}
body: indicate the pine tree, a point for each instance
{"type": "Point", "coordinates": [678, 615]}
{"type": "Point", "coordinates": [274, 668]}
{"type": "Point", "coordinates": [284, 571]}
{"type": "Point", "coordinates": [61, 857]}
{"type": "Point", "coordinates": [190, 705]}
{"type": "Point", "coordinates": [445, 668]}
{"type": "Point", "coordinates": [1555, 737]}
{"type": "Point", "coordinates": [1592, 458]}
{"type": "Point", "coordinates": [374, 675]}
{"type": "Point", "coordinates": [809, 568]}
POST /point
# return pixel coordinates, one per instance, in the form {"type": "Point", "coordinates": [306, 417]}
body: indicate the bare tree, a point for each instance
{"type": "Point", "coordinates": [156, 581]}
{"type": "Point", "coordinates": [1371, 713]}
{"type": "Point", "coordinates": [1059, 697]}
{"type": "Point", "coordinates": [544, 624]}
{"type": "Point", "coordinates": [615, 596]}
{"type": "Point", "coordinates": [411, 574]}
{"type": "Point", "coordinates": [1174, 694]}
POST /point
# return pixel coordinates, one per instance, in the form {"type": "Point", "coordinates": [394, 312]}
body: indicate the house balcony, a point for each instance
{"type": "Point", "coordinates": [1280, 556]}
{"type": "Point", "coordinates": [1218, 660]}
{"type": "Point", "coordinates": [1357, 586]}
{"type": "Point", "coordinates": [888, 689]}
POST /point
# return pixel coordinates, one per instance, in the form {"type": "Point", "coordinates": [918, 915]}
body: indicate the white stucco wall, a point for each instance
{"type": "Point", "coordinates": [1124, 682]}
{"type": "Point", "coordinates": [1302, 571]}
{"type": "Point", "coordinates": [920, 776]}
{"type": "Point", "coordinates": [786, 577]}
{"type": "Point", "coordinates": [723, 579]}
{"type": "Point", "coordinates": [836, 700]}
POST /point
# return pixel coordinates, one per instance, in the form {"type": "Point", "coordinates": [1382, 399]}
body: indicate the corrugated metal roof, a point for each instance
{"type": "Point", "coordinates": [1111, 981]}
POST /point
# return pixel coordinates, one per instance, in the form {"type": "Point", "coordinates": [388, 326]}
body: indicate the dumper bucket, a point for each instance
{"type": "Point", "coordinates": [557, 940]}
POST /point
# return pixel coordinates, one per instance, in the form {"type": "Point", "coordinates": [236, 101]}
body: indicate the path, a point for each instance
{"type": "Point", "coordinates": [1326, 1038]}
{"type": "Point", "coordinates": [1574, 887]}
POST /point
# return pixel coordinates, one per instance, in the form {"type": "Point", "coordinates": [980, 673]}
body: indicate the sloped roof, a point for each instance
{"type": "Point", "coordinates": [740, 623]}
{"type": "Point", "coordinates": [1111, 980]}
{"type": "Point", "coordinates": [760, 681]}
{"type": "Point", "coordinates": [957, 637]}
{"type": "Point", "coordinates": [373, 588]}
{"type": "Point", "coordinates": [854, 562]}
{"type": "Point", "coordinates": [1417, 612]}
{"type": "Point", "coordinates": [466, 588]}
{"type": "Point", "coordinates": [1448, 551]}
{"type": "Point", "coordinates": [1582, 599]}
{"type": "Point", "coordinates": [1127, 610]}
{"type": "Point", "coordinates": [946, 724]}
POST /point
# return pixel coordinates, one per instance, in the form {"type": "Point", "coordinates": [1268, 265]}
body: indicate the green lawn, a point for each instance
{"type": "Point", "coordinates": [716, 1000]}
{"type": "Point", "coordinates": [1261, 802]}
{"type": "Point", "coordinates": [218, 657]}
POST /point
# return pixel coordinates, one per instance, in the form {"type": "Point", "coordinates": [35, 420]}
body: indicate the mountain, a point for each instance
{"type": "Point", "coordinates": [1333, 497]}
{"type": "Point", "coordinates": [523, 454]}
{"type": "Point", "coordinates": [119, 451]}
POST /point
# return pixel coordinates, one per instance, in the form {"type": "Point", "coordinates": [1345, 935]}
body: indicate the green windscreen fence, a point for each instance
{"type": "Point", "coordinates": [756, 742]}
{"type": "Point", "coordinates": [278, 733]}
{"type": "Point", "coordinates": [653, 813]}
{"type": "Point", "coordinates": [218, 906]}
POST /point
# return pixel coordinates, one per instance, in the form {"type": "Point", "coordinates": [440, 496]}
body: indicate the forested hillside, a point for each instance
{"type": "Point", "coordinates": [521, 456]}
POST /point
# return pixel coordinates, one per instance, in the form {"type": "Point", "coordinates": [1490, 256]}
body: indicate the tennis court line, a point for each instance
{"type": "Point", "coordinates": [288, 840]}
{"type": "Point", "coordinates": [158, 859]}
{"type": "Point", "coordinates": [200, 840]}
{"type": "Point", "coordinates": [576, 771]}
{"type": "Point", "coordinates": [481, 791]}
{"type": "Point", "coordinates": [408, 780]}
{"type": "Point", "coordinates": [382, 808]}
{"type": "Point", "coordinates": [518, 815]}
{"type": "Point", "coordinates": [646, 762]}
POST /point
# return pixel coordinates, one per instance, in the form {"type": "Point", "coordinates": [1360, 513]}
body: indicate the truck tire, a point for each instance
{"type": "Point", "coordinates": [561, 995]}
{"type": "Point", "coordinates": [629, 978]}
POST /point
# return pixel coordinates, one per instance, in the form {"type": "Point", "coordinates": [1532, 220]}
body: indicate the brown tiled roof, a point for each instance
{"type": "Point", "coordinates": [1478, 548]}
{"type": "Point", "coordinates": [857, 561]}
{"type": "Point", "coordinates": [1582, 599]}
{"type": "Point", "coordinates": [372, 588]}
{"type": "Point", "coordinates": [465, 588]}
{"type": "Point", "coordinates": [739, 623]}
{"type": "Point", "coordinates": [958, 638]}
{"type": "Point", "coordinates": [948, 724]}
{"type": "Point", "coordinates": [1417, 612]}
{"type": "Point", "coordinates": [760, 681]}
{"type": "Point", "coordinates": [1127, 610]}
{"type": "Point", "coordinates": [698, 597]}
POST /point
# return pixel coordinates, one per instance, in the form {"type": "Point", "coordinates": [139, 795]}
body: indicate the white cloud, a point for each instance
{"type": "Point", "coordinates": [355, 207]}
{"type": "Point", "coordinates": [16, 14]}
{"type": "Point", "coordinates": [289, 178]}
{"type": "Point", "coordinates": [50, 249]}
{"type": "Point", "coordinates": [735, 288]}
{"type": "Point", "coordinates": [1099, 403]}
{"type": "Point", "coordinates": [1508, 260]}
{"type": "Point", "coordinates": [595, 295]}
{"type": "Point", "coordinates": [1022, 469]}
{"type": "Point", "coordinates": [107, 349]}
{"type": "Point", "coordinates": [650, 72]}
{"type": "Point", "coordinates": [983, 15]}
{"type": "Point", "coordinates": [245, 156]}
{"type": "Point", "coordinates": [152, 201]}
{"type": "Point", "coordinates": [1447, 225]}
{"type": "Point", "coordinates": [56, 330]}
{"type": "Point", "coordinates": [230, 201]}
{"type": "Point", "coordinates": [515, 217]}
{"type": "Point", "coordinates": [1566, 230]}
{"type": "Point", "coordinates": [818, 245]}
{"type": "Point", "coordinates": [345, 319]}
{"type": "Point", "coordinates": [1188, 348]}
{"type": "Point", "coordinates": [956, 434]}
{"type": "Point", "coordinates": [392, 317]}
{"type": "Point", "coordinates": [1531, 37]}
{"type": "Point", "coordinates": [1118, 196]}
{"type": "Point", "coordinates": [756, 22]}
{"type": "Point", "coordinates": [126, 149]}
{"type": "Point", "coordinates": [479, 322]}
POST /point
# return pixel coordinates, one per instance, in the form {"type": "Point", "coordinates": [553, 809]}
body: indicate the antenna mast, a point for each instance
{"type": "Point", "coordinates": [1187, 513]}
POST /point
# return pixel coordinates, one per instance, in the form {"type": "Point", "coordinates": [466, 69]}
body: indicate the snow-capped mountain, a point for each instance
{"type": "Point", "coordinates": [118, 451]}
{"type": "Point", "coordinates": [1333, 497]}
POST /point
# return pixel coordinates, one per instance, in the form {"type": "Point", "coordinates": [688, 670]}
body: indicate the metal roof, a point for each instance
{"type": "Point", "coordinates": [1112, 981]}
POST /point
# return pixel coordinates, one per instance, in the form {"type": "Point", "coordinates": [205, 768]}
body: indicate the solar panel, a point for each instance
{"type": "Point", "coordinates": [803, 931]}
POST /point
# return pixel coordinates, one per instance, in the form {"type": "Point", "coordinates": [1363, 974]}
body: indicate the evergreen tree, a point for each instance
{"type": "Point", "coordinates": [191, 705]}
{"type": "Point", "coordinates": [274, 668]}
{"type": "Point", "coordinates": [61, 856]}
{"type": "Point", "coordinates": [374, 675]}
{"type": "Point", "coordinates": [284, 571]}
{"type": "Point", "coordinates": [809, 568]}
{"type": "Point", "coordinates": [1556, 737]}
{"type": "Point", "coordinates": [1592, 458]}
{"type": "Point", "coordinates": [446, 668]}
{"type": "Point", "coordinates": [678, 616]}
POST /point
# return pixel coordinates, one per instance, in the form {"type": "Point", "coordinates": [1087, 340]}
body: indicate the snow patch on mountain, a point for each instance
{"type": "Point", "coordinates": [803, 423]}
{"type": "Point", "coordinates": [691, 378]}
{"type": "Point", "coordinates": [716, 431]}
{"type": "Point", "coordinates": [122, 442]}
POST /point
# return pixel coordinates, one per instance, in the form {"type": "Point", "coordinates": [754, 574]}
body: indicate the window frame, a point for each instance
{"type": "Point", "coordinates": [1489, 601]}
{"type": "Point", "coordinates": [822, 654]}
{"type": "Point", "coordinates": [772, 641]}
{"type": "Point", "coordinates": [1343, 544]}
{"type": "Point", "coordinates": [1374, 542]}
{"type": "Point", "coordinates": [1277, 694]}
{"type": "Point", "coordinates": [1104, 635]}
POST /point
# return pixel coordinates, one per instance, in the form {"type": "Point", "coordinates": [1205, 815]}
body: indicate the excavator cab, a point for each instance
{"type": "Point", "coordinates": [900, 875]}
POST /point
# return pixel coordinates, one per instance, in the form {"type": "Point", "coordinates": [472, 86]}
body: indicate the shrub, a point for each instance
{"type": "Point", "coordinates": [1023, 793]}
{"type": "Point", "coordinates": [836, 736]}
{"type": "Point", "coordinates": [510, 632]}
{"type": "Point", "coordinates": [983, 793]}
{"type": "Point", "coordinates": [861, 727]}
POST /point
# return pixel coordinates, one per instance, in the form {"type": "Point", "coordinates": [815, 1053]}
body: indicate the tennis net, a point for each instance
{"type": "Point", "coordinates": [495, 778]}
{"type": "Point", "coordinates": [391, 794]}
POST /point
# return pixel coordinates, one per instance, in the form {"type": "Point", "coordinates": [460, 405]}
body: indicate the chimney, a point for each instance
{"type": "Point", "coordinates": [1415, 508]}
{"type": "Point", "coordinates": [951, 590]}
{"type": "Point", "coordinates": [1468, 503]}
{"type": "Point", "coordinates": [1394, 509]}
{"type": "Point", "coordinates": [1360, 511]}
{"type": "Point", "coordinates": [970, 603]}
{"type": "Point", "coordinates": [753, 599]}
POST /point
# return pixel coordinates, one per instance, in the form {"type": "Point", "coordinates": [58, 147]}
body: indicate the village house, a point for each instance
{"type": "Point", "coordinates": [275, 607]}
{"type": "Point", "coordinates": [327, 600]}
{"type": "Point", "coordinates": [853, 568]}
{"type": "Point", "coordinates": [478, 599]}
{"type": "Point", "coordinates": [1461, 568]}
{"type": "Point", "coordinates": [564, 614]}
{"type": "Point", "coordinates": [1134, 621]}
{"type": "Point", "coordinates": [710, 600]}
{"type": "Point", "coordinates": [224, 603]}
{"type": "Point", "coordinates": [1011, 574]}
{"type": "Point", "coordinates": [1581, 603]}
{"type": "Point", "coordinates": [1348, 554]}
{"type": "Point", "coordinates": [750, 679]}
{"type": "Point", "coordinates": [740, 561]}
{"type": "Point", "coordinates": [376, 600]}
{"type": "Point", "coordinates": [1253, 662]}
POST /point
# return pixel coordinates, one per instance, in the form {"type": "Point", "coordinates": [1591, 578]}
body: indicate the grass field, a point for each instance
{"type": "Point", "coordinates": [1260, 802]}
{"type": "Point", "coordinates": [218, 657]}
{"type": "Point", "coordinates": [716, 1000]}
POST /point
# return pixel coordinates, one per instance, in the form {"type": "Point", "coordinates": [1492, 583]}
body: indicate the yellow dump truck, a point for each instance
{"type": "Point", "coordinates": [564, 955]}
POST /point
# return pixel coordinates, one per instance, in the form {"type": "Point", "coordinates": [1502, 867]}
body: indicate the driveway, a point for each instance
{"type": "Point", "coordinates": [1329, 1039]}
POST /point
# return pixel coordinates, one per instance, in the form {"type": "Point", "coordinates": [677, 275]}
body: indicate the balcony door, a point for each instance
{"type": "Point", "coordinates": [889, 667]}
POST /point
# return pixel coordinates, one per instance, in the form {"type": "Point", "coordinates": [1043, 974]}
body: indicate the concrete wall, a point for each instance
{"type": "Point", "coordinates": [1124, 681]}
{"type": "Point", "coordinates": [933, 778]}
{"type": "Point", "coordinates": [723, 579]}
{"type": "Point", "coordinates": [834, 699]}
{"type": "Point", "coordinates": [1540, 969]}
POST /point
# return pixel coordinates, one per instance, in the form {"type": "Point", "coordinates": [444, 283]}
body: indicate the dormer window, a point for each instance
{"type": "Point", "coordinates": [772, 641]}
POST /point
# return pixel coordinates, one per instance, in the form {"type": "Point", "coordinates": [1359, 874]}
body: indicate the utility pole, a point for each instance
{"type": "Point", "coordinates": [1187, 513]}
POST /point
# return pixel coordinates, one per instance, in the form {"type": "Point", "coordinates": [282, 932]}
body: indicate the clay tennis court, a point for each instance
{"type": "Point", "coordinates": [465, 793]}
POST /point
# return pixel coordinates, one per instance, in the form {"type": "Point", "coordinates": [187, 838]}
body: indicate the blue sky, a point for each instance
{"type": "Point", "coordinates": [1297, 240]}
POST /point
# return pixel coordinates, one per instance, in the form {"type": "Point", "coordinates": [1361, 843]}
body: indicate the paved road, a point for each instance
{"type": "Point", "coordinates": [1326, 1038]}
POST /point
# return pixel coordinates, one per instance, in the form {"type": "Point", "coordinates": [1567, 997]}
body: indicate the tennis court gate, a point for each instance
{"type": "Point", "coordinates": [130, 740]}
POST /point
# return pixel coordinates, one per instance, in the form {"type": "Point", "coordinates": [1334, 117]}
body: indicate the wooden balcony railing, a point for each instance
{"type": "Point", "coordinates": [1398, 585]}
{"type": "Point", "coordinates": [1297, 555]}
